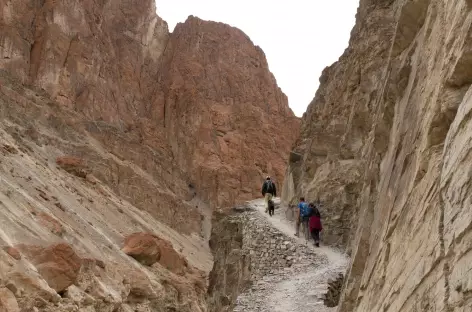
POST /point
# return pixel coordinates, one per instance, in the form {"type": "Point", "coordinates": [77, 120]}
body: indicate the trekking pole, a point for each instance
{"type": "Point", "coordinates": [304, 232]}
{"type": "Point", "coordinates": [307, 230]}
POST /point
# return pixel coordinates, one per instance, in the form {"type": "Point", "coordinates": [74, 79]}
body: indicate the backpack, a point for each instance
{"type": "Point", "coordinates": [309, 212]}
{"type": "Point", "coordinates": [269, 187]}
{"type": "Point", "coordinates": [305, 210]}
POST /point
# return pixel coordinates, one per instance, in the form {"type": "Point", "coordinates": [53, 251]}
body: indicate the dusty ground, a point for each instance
{"type": "Point", "coordinates": [298, 288]}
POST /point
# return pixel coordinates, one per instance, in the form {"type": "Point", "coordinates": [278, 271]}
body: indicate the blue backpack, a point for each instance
{"type": "Point", "coordinates": [305, 210]}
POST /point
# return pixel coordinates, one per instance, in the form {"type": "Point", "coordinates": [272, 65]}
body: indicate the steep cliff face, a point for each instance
{"type": "Point", "coordinates": [197, 110]}
{"type": "Point", "coordinates": [386, 145]}
{"type": "Point", "coordinates": [326, 161]}
{"type": "Point", "coordinates": [223, 107]}
{"type": "Point", "coordinates": [100, 58]}
{"type": "Point", "coordinates": [111, 126]}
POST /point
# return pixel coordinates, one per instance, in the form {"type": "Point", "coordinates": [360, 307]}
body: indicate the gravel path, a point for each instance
{"type": "Point", "coordinates": [298, 288]}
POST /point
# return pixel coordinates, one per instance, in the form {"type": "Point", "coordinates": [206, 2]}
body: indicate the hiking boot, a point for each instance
{"type": "Point", "coordinates": [317, 244]}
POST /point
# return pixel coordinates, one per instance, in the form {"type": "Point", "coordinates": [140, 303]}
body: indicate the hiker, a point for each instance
{"type": "Point", "coordinates": [302, 215]}
{"type": "Point", "coordinates": [268, 191]}
{"type": "Point", "coordinates": [315, 224]}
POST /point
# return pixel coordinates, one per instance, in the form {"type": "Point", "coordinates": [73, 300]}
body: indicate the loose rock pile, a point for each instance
{"type": "Point", "coordinates": [270, 250]}
{"type": "Point", "coordinates": [331, 298]}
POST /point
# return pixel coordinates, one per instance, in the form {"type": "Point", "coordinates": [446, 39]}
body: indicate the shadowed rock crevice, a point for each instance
{"type": "Point", "coordinates": [411, 19]}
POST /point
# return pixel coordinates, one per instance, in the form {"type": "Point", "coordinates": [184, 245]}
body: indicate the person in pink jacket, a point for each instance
{"type": "Point", "coordinates": [315, 224]}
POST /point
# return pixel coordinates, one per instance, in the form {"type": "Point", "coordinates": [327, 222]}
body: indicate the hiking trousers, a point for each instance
{"type": "Point", "coordinates": [267, 197]}
{"type": "Point", "coordinates": [315, 233]}
{"type": "Point", "coordinates": [299, 222]}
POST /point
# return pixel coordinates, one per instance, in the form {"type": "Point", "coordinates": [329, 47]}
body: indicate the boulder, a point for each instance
{"type": "Point", "coordinates": [73, 165]}
{"type": "Point", "coordinates": [144, 247]}
{"type": "Point", "coordinates": [12, 252]}
{"type": "Point", "coordinates": [148, 249]}
{"type": "Point", "coordinates": [58, 264]}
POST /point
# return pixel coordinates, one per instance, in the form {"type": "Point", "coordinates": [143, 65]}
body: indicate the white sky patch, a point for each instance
{"type": "Point", "coordinates": [300, 38]}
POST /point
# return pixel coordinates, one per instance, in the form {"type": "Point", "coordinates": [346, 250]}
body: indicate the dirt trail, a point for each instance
{"type": "Point", "coordinates": [296, 289]}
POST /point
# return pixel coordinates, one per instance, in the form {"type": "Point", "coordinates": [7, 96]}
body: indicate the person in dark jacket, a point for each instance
{"type": "Point", "coordinates": [268, 191]}
{"type": "Point", "coordinates": [315, 224]}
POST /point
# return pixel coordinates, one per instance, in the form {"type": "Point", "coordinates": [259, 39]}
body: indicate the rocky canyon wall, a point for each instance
{"type": "Point", "coordinates": [112, 126]}
{"type": "Point", "coordinates": [222, 106]}
{"type": "Point", "coordinates": [386, 145]}
{"type": "Point", "coordinates": [197, 109]}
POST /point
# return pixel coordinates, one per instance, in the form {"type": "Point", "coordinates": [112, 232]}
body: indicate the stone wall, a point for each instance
{"type": "Point", "coordinates": [231, 268]}
{"type": "Point", "coordinates": [332, 296]}
{"type": "Point", "coordinates": [270, 249]}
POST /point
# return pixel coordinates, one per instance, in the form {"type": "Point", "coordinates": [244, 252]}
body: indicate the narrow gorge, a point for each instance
{"type": "Point", "coordinates": [131, 160]}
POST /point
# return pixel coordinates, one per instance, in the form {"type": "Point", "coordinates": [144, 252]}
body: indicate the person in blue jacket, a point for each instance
{"type": "Point", "coordinates": [302, 216]}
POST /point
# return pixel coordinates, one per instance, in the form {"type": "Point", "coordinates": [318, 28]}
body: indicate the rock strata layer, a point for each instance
{"type": "Point", "coordinates": [386, 146]}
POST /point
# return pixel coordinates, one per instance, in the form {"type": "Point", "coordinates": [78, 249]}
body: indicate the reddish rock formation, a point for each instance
{"type": "Point", "coordinates": [224, 108]}
{"type": "Point", "coordinates": [73, 165]}
{"type": "Point", "coordinates": [170, 127]}
{"type": "Point", "coordinates": [13, 252]}
{"type": "Point", "coordinates": [93, 57]}
{"type": "Point", "coordinates": [94, 215]}
{"type": "Point", "coordinates": [144, 247]}
{"type": "Point", "coordinates": [58, 264]}
{"type": "Point", "coordinates": [173, 261]}
{"type": "Point", "coordinates": [203, 95]}
{"type": "Point", "coordinates": [148, 249]}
